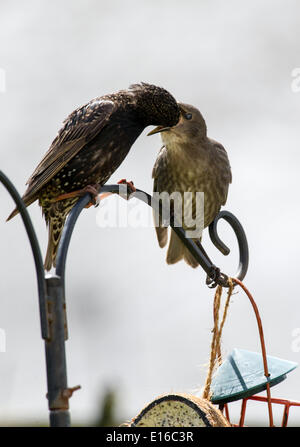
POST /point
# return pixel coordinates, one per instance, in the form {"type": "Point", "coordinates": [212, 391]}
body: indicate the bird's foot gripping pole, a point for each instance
{"type": "Point", "coordinates": [93, 190]}
{"type": "Point", "coordinates": [125, 190]}
{"type": "Point", "coordinates": [129, 184]}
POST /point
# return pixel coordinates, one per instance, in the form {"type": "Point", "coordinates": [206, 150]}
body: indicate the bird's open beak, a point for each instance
{"type": "Point", "coordinates": [158, 129]}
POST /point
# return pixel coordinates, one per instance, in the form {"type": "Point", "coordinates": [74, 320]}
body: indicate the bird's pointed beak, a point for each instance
{"type": "Point", "coordinates": [158, 129]}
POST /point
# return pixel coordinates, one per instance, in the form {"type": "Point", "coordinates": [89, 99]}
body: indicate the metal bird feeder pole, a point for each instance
{"type": "Point", "coordinates": [53, 327]}
{"type": "Point", "coordinates": [51, 289]}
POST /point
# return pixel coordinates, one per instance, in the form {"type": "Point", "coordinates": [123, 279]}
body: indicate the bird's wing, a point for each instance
{"type": "Point", "coordinates": [159, 163]}
{"type": "Point", "coordinates": [224, 172]}
{"type": "Point", "coordinates": [78, 129]}
{"type": "Point", "coordinates": [161, 231]}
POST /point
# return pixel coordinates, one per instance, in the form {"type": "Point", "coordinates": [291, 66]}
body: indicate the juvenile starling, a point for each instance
{"type": "Point", "coordinates": [90, 146]}
{"type": "Point", "coordinates": [189, 161]}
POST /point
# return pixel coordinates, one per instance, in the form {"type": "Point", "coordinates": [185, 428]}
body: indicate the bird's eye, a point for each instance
{"type": "Point", "coordinates": [188, 116]}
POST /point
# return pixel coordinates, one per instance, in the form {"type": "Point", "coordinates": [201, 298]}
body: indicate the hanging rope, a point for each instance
{"type": "Point", "coordinates": [215, 350]}
{"type": "Point", "coordinates": [215, 353]}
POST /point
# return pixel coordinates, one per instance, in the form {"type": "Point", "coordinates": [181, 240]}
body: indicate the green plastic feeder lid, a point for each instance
{"type": "Point", "coordinates": [242, 375]}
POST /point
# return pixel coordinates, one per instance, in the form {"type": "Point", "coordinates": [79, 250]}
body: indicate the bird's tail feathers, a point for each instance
{"type": "Point", "coordinates": [27, 202]}
{"type": "Point", "coordinates": [189, 258]}
{"type": "Point", "coordinates": [162, 235]}
{"type": "Point", "coordinates": [55, 230]}
{"type": "Point", "coordinates": [177, 251]}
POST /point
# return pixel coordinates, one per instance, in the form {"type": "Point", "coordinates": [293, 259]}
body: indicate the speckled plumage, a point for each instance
{"type": "Point", "coordinates": [190, 161]}
{"type": "Point", "coordinates": [90, 146]}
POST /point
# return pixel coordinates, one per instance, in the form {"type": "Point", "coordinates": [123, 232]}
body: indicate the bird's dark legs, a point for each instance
{"type": "Point", "coordinates": [92, 189]}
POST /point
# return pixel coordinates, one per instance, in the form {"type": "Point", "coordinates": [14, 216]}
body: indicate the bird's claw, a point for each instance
{"type": "Point", "coordinates": [93, 190]}
{"type": "Point", "coordinates": [126, 190]}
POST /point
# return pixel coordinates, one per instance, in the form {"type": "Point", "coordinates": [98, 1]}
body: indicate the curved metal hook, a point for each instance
{"type": "Point", "coordinates": [241, 238]}
{"type": "Point", "coordinates": [35, 250]}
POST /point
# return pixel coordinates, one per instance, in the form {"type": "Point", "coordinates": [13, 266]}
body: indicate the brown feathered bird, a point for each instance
{"type": "Point", "coordinates": [91, 144]}
{"type": "Point", "coordinates": [189, 161]}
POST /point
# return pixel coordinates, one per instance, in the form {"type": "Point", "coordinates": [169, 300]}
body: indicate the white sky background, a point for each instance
{"type": "Point", "coordinates": [135, 323]}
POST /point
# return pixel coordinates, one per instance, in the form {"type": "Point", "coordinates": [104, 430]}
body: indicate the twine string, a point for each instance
{"type": "Point", "coordinates": [215, 350]}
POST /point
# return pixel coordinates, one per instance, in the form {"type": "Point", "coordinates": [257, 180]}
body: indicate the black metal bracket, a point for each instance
{"type": "Point", "coordinates": [51, 289]}
{"type": "Point", "coordinates": [35, 251]}
{"type": "Point", "coordinates": [53, 322]}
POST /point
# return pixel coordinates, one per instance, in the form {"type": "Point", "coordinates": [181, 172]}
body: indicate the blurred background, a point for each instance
{"type": "Point", "coordinates": [137, 327]}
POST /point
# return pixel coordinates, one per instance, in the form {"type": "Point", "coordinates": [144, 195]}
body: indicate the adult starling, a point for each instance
{"type": "Point", "coordinates": [91, 144]}
{"type": "Point", "coordinates": [189, 161]}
